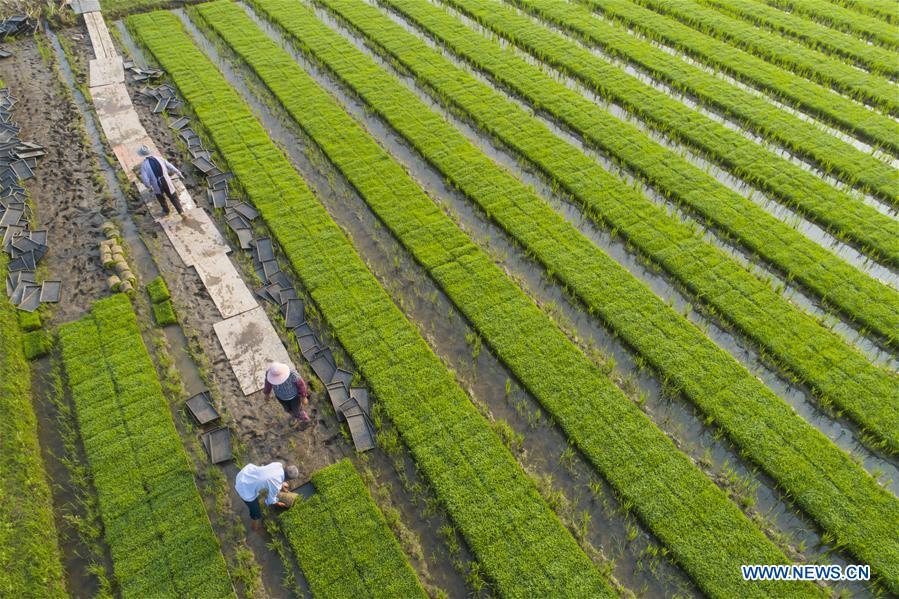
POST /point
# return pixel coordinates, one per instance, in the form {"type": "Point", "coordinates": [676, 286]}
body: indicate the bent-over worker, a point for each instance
{"type": "Point", "coordinates": [290, 390]}
{"type": "Point", "coordinates": [253, 480]}
{"type": "Point", "coordinates": [154, 172]}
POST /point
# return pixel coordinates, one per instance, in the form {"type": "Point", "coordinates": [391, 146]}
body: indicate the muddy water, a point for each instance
{"type": "Point", "coordinates": [714, 113]}
{"type": "Point", "coordinates": [842, 432]}
{"type": "Point", "coordinates": [873, 347]}
{"type": "Point", "coordinates": [428, 307]}
{"type": "Point", "coordinates": [76, 554]}
{"type": "Point", "coordinates": [432, 295]}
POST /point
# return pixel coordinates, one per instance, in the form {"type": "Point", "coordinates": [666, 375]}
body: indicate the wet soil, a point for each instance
{"type": "Point", "coordinates": [68, 199]}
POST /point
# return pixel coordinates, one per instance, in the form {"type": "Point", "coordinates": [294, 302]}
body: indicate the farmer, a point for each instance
{"type": "Point", "coordinates": [154, 172]}
{"type": "Point", "coordinates": [253, 480]}
{"type": "Point", "coordinates": [290, 391]}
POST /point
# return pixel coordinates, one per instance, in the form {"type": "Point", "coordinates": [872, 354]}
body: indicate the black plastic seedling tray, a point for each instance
{"type": "Point", "coordinates": [201, 408]}
{"type": "Point", "coordinates": [218, 444]}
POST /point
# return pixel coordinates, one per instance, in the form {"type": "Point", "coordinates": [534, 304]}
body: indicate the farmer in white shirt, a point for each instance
{"type": "Point", "coordinates": [253, 480]}
{"type": "Point", "coordinates": [154, 172]}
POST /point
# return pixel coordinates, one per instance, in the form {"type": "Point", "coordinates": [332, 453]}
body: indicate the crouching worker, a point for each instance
{"type": "Point", "coordinates": [252, 481]}
{"type": "Point", "coordinates": [290, 391]}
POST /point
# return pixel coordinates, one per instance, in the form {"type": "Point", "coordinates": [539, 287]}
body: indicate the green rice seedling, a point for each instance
{"type": "Point", "coordinates": [154, 519]}
{"type": "Point", "coordinates": [30, 563]}
{"type": "Point", "coordinates": [264, 59]}
{"type": "Point", "coordinates": [29, 321]}
{"type": "Point", "coordinates": [164, 313]}
{"type": "Point", "coordinates": [508, 526]}
{"type": "Point", "coordinates": [793, 89]}
{"type": "Point", "coordinates": [831, 71]}
{"type": "Point", "coordinates": [36, 344]}
{"type": "Point", "coordinates": [849, 47]}
{"type": "Point", "coordinates": [718, 143]}
{"type": "Point", "coordinates": [726, 287]}
{"type": "Point", "coordinates": [841, 18]}
{"type": "Point", "coordinates": [158, 290]}
{"type": "Point", "coordinates": [343, 543]}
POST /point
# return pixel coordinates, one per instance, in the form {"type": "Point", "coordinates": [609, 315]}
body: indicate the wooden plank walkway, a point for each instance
{"type": "Point", "coordinates": [247, 336]}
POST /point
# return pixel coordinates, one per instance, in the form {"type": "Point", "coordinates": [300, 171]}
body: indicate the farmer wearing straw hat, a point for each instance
{"type": "Point", "coordinates": [290, 390]}
{"type": "Point", "coordinates": [253, 480]}
{"type": "Point", "coordinates": [154, 172]}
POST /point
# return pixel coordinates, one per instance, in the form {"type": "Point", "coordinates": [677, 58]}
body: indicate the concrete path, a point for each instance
{"type": "Point", "coordinates": [247, 336]}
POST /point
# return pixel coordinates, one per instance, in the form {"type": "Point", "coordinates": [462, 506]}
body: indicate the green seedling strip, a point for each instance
{"type": "Point", "coordinates": [30, 565]}
{"type": "Point", "coordinates": [842, 19]}
{"type": "Point", "coordinates": [758, 231]}
{"type": "Point", "coordinates": [746, 159]}
{"type": "Point", "coordinates": [570, 387]}
{"type": "Point", "coordinates": [828, 70]}
{"type": "Point", "coordinates": [801, 345]}
{"type": "Point", "coordinates": [884, 10]}
{"type": "Point", "coordinates": [154, 520]}
{"type": "Point", "coordinates": [874, 58]}
{"type": "Point", "coordinates": [158, 290]}
{"type": "Point", "coordinates": [519, 541]}
{"type": "Point", "coordinates": [870, 126]}
{"type": "Point", "coordinates": [342, 541]}
{"type": "Point", "coordinates": [118, 8]}
{"type": "Point", "coordinates": [554, 242]}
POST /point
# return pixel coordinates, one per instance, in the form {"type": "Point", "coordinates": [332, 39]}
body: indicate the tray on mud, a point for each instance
{"type": "Point", "coordinates": [360, 394]}
{"type": "Point", "coordinates": [218, 444]}
{"type": "Point", "coordinates": [323, 365]}
{"type": "Point", "coordinates": [294, 312]}
{"type": "Point", "coordinates": [360, 428]}
{"type": "Point", "coordinates": [201, 408]}
{"type": "Point", "coordinates": [179, 124]}
{"type": "Point", "coordinates": [50, 291]}
{"type": "Point", "coordinates": [264, 249]}
{"type": "Point", "coordinates": [339, 395]}
{"type": "Point", "coordinates": [306, 490]}
{"type": "Point", "coordinates": [342, 376]}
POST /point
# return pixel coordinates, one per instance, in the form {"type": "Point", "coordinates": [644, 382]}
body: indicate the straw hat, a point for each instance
{"type": "Point", "coordinates": [291, 471]}
{"type": "Point", "coordinates": [277, 373]}
{"type": "Point", "coordinates": [143, 150]}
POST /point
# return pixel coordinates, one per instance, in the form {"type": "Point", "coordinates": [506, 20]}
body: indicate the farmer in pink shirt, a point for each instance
{"type": "Point", "coordinates": [290, 391]}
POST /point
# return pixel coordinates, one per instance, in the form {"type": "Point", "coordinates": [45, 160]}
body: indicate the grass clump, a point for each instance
{"type": "Point", "coordinates": [36, 344]}
{"type": "Point", "coordinates": [164, 313]}
{"type": "Point", "coordinates": [158, 290]}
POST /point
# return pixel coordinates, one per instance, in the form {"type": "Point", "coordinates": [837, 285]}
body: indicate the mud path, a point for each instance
{"type": "Point", "coordinates": [68, 199]}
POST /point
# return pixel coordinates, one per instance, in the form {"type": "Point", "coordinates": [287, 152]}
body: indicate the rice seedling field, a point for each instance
{"type": "Point", "coordinates": [619, 278]}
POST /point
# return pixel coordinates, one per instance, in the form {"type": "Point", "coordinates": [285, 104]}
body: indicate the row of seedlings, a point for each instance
{"type": "Point", "coordinates": [843, 19]}
{"type": "Point", "coordinates": [870, 88]}
{"type": "Point", "coordinates": [24, 246]}
{"type": "Point", "coordinates": [342, 542]}
{"type": "Point", "coordinates": [750, 227]}
{"type": "Point", "coordinates": [873, 58]}
{"type": "Point", "coordinates": [154, 520]}
{"type": "Point", "coordinates": [522, 546]}
{"type": "Point", "coordinates": [813, 99]}
{"type": "Point", "coordinates": [864, 226]}
{"type": "Point", "coordinates": [30, 563]}
{"type": "Point", "coordinates": [756, 419]}
{"type": "Point", "coordinates": [761, 117]}
{"type": "Point", "coordinates": [566, 382]}
{"type": "Point", "coordinates": [835, 370]}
